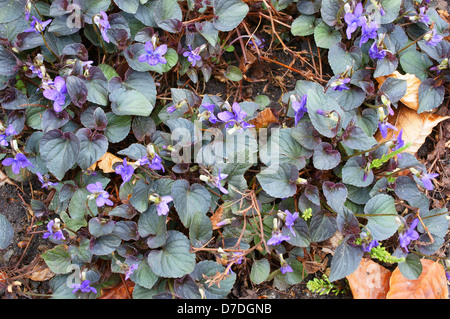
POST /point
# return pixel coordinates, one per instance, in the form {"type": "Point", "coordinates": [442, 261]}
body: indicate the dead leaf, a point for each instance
{"type": "Point", "coordinates": [411, 97]}
{"type": "Point", "coordinates": [431, 284]}
{"type": "Point", "coordinates": [216, 217]}
{"type": "Point", "coordinates": [369, 281]}
{"type": "Point", "coordinates": [264, 118]}
{"type": "Point", "coordinates": [105, 163]}
{"type": "Point", "coordinates": [416, 127]}
{"type": "Point", "coordinates": [39, 270]}
{"type": "Point", "coordinates": [5, 179]}
{"type": "Point", "coordinates": [123, 290]}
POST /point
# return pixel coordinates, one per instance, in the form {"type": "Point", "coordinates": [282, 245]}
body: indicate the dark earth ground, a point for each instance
{"type": "Point", "coordinates": [22, 258]}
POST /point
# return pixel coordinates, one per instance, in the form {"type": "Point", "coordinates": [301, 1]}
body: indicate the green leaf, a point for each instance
{"type": "Point", "coordinates": [431, 95]}
{"type": "Point", "coordinates": [322, 226]}
{"type": "Point", "coordinates": [355, 138]}
{"type": "Point", "coordinates": [129, 6]}
{"type": "Point", "coordinates": [228, 14]}
{"type": "Point", "coordinates": [150, 223]}
{"type": "Point", "coordinates": [411, 268]}
{"type": "Point", "coordinates": [386, 66]}
{"type": "Point", "coordinates": [189, 200]}
{"type": "Point", "coordinates": [118, 127]}
{"type": "Point", "coordinates": [383, 226]}
{"type": "Point", "coordinates": [144, 276]}
{"type": "Point", "coordinates": [303, 25]}
{"type": "Point", "coordinates": [168, 15]}
{"type": "Point", "coordinates": [92, 147]}
{"type": "Point", "coordinates": [58, 259]}
{"type": "Point", "coordinates": [346, 259]}
{"type": "Point", "coordinates": [391, 8]}
{"type": "Point", "coordinates": [6, 232]}
{"type": "Point", "coordinates": [206, 269]}
{"type": "Point", "coordinates": [335, 194]}
{"type": "Point", "coordinates": [97, 84]}
{"type": "Point", "coordinates": [174, 259]}
{"type": "Point", "coordinates": [339, 58]}
{"type": "Point", "coordinates": [325, 35]}
{"type": "Point", "coordinates": [59, 150]}
{"type": "Point", "coordinates": [279, 180]}
{"type": "Point", "coordinates": [329, 11]}
{"type": "Point", "coordinates": [260, 271]}
{"type": "Point", "coordinates": [416, 63]}
{"type": "Point", "coordinates": [354, 173]}
{"type": "Point", "coordinates": [106, 244]}
{"type": "Point", "coordinates": [298, 274]}
{"type": "Point", "coordinates": [233, 73]}
{"type": "Point", "coordinates": [200, 230]}
{"type": "Point", "coordinates": [8, 62]}
{"type": "Point", "coordinates": [299, 234]}
{"type": "Point", "coordinates": [325, 157]}
{"type": "Point", "coordinates": [394, 88]}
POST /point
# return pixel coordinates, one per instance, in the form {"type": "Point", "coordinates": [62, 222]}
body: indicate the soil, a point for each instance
{"type": "Point", "coordinates": [272, 79]}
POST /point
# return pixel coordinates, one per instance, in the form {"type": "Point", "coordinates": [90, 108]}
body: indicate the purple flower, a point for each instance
{"type": "Point", "coordinates": [18, 162]}
{"type": "Point", "coordinates": [125, 171]}
{"type": "Point", "coordinates": [299, 108]}
{"type": "Point", "coordinates": [409, 235]}
{"type": "Point", "coordinates": [426, 180]}
{"type": "Point", "coordinates": [3, 141]}
{"type": "Point", "coordinates": [44, 180]}
{"type": "Point", "coordinates": [383, 127]}
{"type": "Point", "coordinates": [155, 163]}
{"type": "Point", "coordinates": [103, 24]}
{"type": "Point", "coordinates": [161, 204]}
{"type": "Point", "coordinates": [285, 268]}
{"type": "Point", "coordinates": [102, 197]}
{"type": "Point", "coordinates": [57, 94]}
{"type": "Point", "coordinates": [432, 39]}
{"type": "Point", "coordinates": [258, 42]}
{"type": "Point", "coordinates": [376, 52]}
{"type": "Point", "coordinates": [217, 180]}
{"type": "Point", "coordinates": [368, 32]}
{"type": "Point", "coordinates": [209, 113]}
{"type": "Point", "coordinates": [421, 16]}
{"type": "Point", "coordinates": [235, 118]}
{"type": "Point", "coordinates": [153, 56]}
{"type": "Point", "coordinates": [54, 231]}
{"type": "Point", "coordinates": [368, 247]}
{"type": "Point", "coordinates": [83, 287]}
{"type": "Point", "coordinates": [290, 219]}
{"type": "Point", "coordinates": [354, 19]}
{"type": "Point", "coordinates": [130, 270]}
{"type": "Point", "coordinates": [340, 84]}
{"type": "Point", "coordinates": [277, 238]}
{"type": "Point", "coordinates": [193, 55]}
{"type": "Point", "coordinates": [10, 130]}
{"type": "Point", "coordinates": [399, 142]}
{"type": "Point", "coordinates": [37, 25]}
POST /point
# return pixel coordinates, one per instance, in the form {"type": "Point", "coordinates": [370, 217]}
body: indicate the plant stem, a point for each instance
{"type": "Point", "coordinates": [412, 43]}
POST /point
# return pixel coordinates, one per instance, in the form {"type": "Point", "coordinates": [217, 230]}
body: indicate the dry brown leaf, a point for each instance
{"type": "Point", "coordinates": [431, 284]}
{"type": "Point", "coordinates": [369, 281]}
{"type": "Point", "coordinates": [264, 118]}
{"type": "Point", "coordinates": [416, 127]}
{"type": "Point", "coordinates": [105, 163]}
{"type": "Point", "coordinates": [216, 217]}
{"type": "Point", "coordinates": [39, 270]}
{"type": "Point", "coordinates": [411, 97]}
{"type": "Point", "coordinates": [121, 291]}
{"type": "Point", "coordinates": [5, 179]}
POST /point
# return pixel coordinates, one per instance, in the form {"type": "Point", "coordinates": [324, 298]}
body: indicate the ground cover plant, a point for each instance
{"type": "Point", "coordinates": [155, 184]}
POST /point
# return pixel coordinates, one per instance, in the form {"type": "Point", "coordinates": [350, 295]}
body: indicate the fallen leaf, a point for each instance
{"type": "Point", "coordinates": [411, 97]}
{"type": "Point", "coordinates": [264, 118]}
{"type": "Point", "coordinates": [39, 270]}
{"type": "Point", "coordinates": [216, 217]}
{"type": "Point", "coordinates": [431, 284]}
{"type": "Point", "coordinates": [369, 281]}
{"type": "Point", "coordinates": [5, 179]}
{"type": "Point", "coordinates": [105, 163]}
{"type": "Point", "coordinates": [121, 291]}
{"type": "Point", "coordinates": [416, 127]}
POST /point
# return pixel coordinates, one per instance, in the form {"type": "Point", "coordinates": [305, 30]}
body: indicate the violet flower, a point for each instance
{"type": "Point", "coordinates": [376, 53]}
{"type": "Point", "coordinates": [299, 108]}
{"type": "Point", "coordinates": [277, 238]}
{"type": "Point", "coordinates": [162, 207]}
{"type": "Point", "coordinates": [340, 84]}
{"type": "Point", "coordinates": [409, 235]}
{"type": "Point", "coordinates": [37, 25]}
{"type": "Point", "coordinates": [289, 220]}
{"type": "Point", "coordinates": [217, 180]}
{"type": "Point", "coordinates": [83, 287]}
{"type": "Point", "coordinates": [130, 270]}
{"type": "Point", "coordinates": [3, 140]}
{"type": "Point", "coordinates": [125, 171]}
{"type": "Point", "coordinates": [432, 39]}
{"type": "Point", "coordinates": [422, 17]}
{"type": "Point", "coordinates": [285, 267]}
{"type": "Point", "coordinates": [426, 180]}
{"type": "Point", "coordinates": [354, 19]}
{"type": "Point", "coordinates": [103, 24]}
{"type": "Point", "coordinates": [10, 130]}
{"type": "Point", "coordinates": [193, 55]}
{"type": "Point", "coordinates": [153, 56]}
{"type": "Point", "coordinates": [399, 142]}
{"type": "Point", "coordinates": [44, 180]}
{"type": "Point", "coordinates": [368, 32]}
{"type": "Point", "coordinates": [154, 163]}
{"type": "Point", "coordinates": [368, 247]}
{"type": "Point", "coordinates": [383, 127]}
{"type": "Point", "coordinates": [208, 114]}
{"type": "Point", "coordinates": [102, 196]}
{"type": "Point", "coordinates": [54, 231]}
{"type": "Point", "coordinates": [235, 118]}
{"type": "Point", "coordinates": [57, 93]}
{"type": "Point", "coordinates": [16, 163]}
